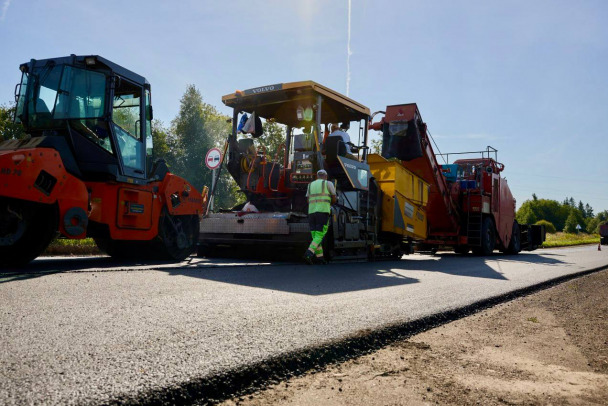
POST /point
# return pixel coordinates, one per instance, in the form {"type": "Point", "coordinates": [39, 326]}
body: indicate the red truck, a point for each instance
{"type": "Point", "coordinates": [470, 205]}
{"type": "Point", "coordinates": [604, 234]}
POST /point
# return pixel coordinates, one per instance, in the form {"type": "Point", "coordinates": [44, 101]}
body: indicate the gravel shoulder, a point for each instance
{"type": "Point", "coordinates": [547, 348]}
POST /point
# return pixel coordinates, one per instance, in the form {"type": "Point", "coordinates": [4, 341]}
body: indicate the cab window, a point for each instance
{"type": "Point", "coordinates": [127, 123]}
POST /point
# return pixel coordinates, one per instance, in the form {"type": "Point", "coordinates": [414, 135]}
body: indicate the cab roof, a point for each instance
{"type": "Point", "coordinates": [80, 61]}
{"type": "Point", "coordinates": [280, 102]}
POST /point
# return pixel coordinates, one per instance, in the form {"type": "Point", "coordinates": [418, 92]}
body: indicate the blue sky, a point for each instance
{"type": "Point", "coordinates": [526, 77]}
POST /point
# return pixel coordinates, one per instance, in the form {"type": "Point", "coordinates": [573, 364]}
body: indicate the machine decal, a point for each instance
{"type": "Point", "coordinates": [263, 89]}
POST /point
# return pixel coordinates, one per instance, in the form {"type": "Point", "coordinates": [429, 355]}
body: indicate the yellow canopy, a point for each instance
{"type": "Point", "coordinates": [280, 102]}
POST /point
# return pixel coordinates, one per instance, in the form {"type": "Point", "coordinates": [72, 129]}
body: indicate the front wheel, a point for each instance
{"type": "Point", "coordinates": [26, 229]}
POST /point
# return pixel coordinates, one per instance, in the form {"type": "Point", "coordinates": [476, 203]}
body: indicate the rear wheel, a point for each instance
{"type": "Point", "coordinates": [177, 236]}
{"type": "Point", "coordinates": [515, 243]}
{"type": "Point", "coordinates": [26, 229]}
{"type": "Point", "coordinates": [488, 238]}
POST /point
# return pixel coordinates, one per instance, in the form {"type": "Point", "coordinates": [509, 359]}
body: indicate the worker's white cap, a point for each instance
{"type": "Point", "coordinates": [321, 172]}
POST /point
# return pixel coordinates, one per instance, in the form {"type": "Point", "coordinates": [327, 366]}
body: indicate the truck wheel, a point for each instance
{"type": "Point", "coordinates": [26, 229]}
{"type": "Point", "coordinates": [488, 238]}
{"type": "Point", "coordinates": [515, 243]}
{"type": "Point", "coordinates": [177, 236]}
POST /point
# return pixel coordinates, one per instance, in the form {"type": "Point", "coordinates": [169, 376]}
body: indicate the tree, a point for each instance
{"type": "Point", "coordinates": [603, 216]}
{"type": "Point", "coordinates": [160, 137]}
{"type": "Point", "coordinates": [593, 225]}
{"type": "Point", "coordinates": [197, 128]}
{"type": "Point", "coordinates": [571, 223]}
{"type": "Point", "coordinates": [534, 197]}
{"type": "Point", "coordinates": [376, 147]}
{"type": "Point", "coordinates": [532, 211]}
{"type": "Point", "coordinates": [588, 211]}
{"type": "Point", "coordinates": [581, 208]}
{"type": "Point", "coordinates": [8, 128]}
{"type": "Point", "coordinates": [273, 140]}
{"type": "Point", "coordinates": [525, 214]}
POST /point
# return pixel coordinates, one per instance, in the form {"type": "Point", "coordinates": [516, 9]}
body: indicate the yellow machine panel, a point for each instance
{"type": "Point", "coordinates": [405, 196]}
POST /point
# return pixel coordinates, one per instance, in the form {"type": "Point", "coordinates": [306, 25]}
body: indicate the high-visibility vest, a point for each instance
{"type": "Point", "coordinates": [319, 198]}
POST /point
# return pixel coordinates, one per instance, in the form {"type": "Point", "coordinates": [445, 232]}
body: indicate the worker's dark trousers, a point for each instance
{"type": "Point", "coordinates": [318, 223]}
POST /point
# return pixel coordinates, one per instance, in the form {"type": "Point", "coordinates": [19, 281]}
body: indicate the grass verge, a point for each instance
{"type": "Point", "coordinates": [64, 246]}
{"type": "Point", "coordinates": [566, 239]}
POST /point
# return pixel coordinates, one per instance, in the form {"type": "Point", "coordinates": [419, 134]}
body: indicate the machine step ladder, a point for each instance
{"type": "Point", "coordinates": [474, 229]}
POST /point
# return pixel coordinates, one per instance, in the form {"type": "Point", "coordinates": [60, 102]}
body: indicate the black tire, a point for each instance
{"type": "Point", "coordinates": [462, 249]}
{"type": "Point", "coordinates": [488, 238]}
{"type": "Point", "coordinates": [515, 244]}
{"type": "Point", "coordinates": [177, 236]}
{"type": "Point", "coordinates": [33, 225]}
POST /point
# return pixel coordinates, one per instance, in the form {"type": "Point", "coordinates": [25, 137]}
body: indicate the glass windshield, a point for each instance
{"type": "Point", "coordinates": [56, 92]}
{"type": "Point", "coordinates": [81, 95]}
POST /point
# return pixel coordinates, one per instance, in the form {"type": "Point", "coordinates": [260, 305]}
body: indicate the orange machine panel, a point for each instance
{"type": "Point", "coordinates": [134, 209]}
{"type": "Point", "coordinates": [38, 175]}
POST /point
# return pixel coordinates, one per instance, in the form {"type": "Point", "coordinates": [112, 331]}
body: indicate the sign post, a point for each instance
{"type": "Point", "coordinates": [213, 160]}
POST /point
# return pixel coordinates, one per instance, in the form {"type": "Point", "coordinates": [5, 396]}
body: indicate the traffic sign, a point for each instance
{"type": "Point", "coordinates": [213, 158]}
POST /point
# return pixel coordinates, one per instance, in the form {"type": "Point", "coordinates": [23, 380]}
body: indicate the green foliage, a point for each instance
{"type": "Point", "coordinates": [197, 128]}
{"type": "Point", "coordinates": [376, 147]}
{"type": "Point", "coordinates": [588, 211]}
{"type": "Point", "coordinates": [160, 137]}
{"type": "Point", "coordinates": [603, 216]}
{"type": "Point", "coordinates": [554, 212]}
{"type": "Point", "coordinates": [273, 139]}
{"type": "Point", "coordinates": [525, 214]}
{"type": "Point", "coordinates": [570, 226]}
{"type": "Point", "coordinates": [8, 129]}
{"type": "Point", "coordinates": [593, 225]}
{"type": "Point", "coordinates": [549, 227]}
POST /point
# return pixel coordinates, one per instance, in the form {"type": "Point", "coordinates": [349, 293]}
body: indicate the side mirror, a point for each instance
{"type": "Point", "coordinates": [150, 113]}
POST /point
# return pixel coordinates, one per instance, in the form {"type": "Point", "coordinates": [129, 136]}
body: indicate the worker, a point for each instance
{"type": "Point", "coordinates": [337, 131]}
{"type": "Point", "coordinates": [321, 195]}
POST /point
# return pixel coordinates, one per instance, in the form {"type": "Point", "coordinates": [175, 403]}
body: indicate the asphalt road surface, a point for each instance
{"type": "Point", "coordinates": [88, 330]}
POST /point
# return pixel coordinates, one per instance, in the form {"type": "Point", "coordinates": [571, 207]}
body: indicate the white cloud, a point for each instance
{"type": "Point", "coordinates": [5, 6]}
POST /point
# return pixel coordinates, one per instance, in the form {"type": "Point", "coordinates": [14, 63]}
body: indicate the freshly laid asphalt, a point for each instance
{"type": "Point", "coordinates": [85, 330]}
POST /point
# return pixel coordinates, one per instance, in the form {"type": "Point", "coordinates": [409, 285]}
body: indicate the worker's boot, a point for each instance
{"type": "Point", "coordinates": [309, 257]}
{"type": "Point", "coordinates": [320, 260]}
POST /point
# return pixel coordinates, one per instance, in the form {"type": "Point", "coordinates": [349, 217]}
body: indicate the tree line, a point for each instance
{"type": "Point", "coordinates": [561, 216]}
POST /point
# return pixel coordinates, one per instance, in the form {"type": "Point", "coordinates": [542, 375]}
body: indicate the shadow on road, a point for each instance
{"type": "Point", "coordinates": [475, 266]}
{"type": "Point", "coordinates": [295, 277]}
{"type": "Point", "coordinates": [349, 277]}
{"type": "Point", "coordinates": [307, 280]}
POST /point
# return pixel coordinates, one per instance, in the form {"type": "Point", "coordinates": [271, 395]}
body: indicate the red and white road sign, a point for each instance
{"type": "Point", "coordinates": [213, 158]}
